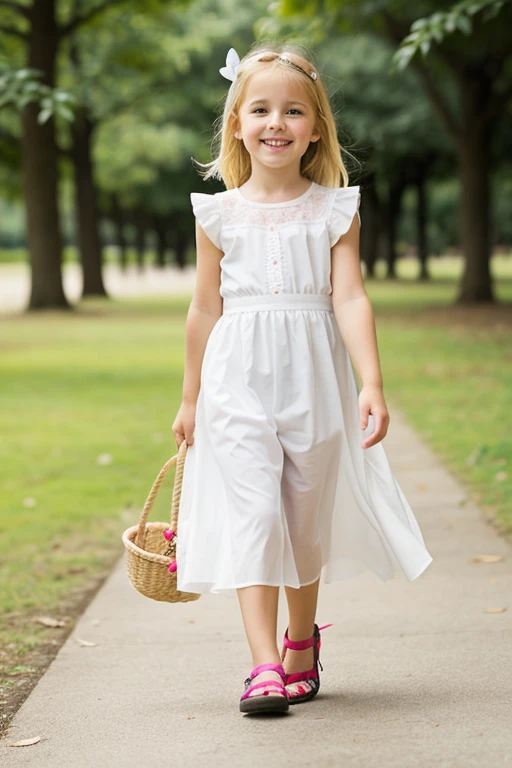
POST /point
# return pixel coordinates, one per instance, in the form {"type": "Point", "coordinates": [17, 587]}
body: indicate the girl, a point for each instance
{"type": "Point", "coordinates": [279, 487]}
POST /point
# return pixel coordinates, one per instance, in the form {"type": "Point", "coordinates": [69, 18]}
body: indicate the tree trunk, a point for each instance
{"type": "Point", "coordinates": [475, 202]}
{"type": "Point", "coordinates": [118, 219]}
{"type": "Point", "coordinates": [86, 207]}
{"type": "Point", "coordinates": [161, 240]}
{"type": "Point", "coordinates": [40, 171]}
{"type": "Point", "coordinates": [396, 188]}
{"type": "Point", "coordinates": [140, 238]}
{"type": "Point", "coordinates": [421, 224]}
{"type": "Point", "coordinates": [181, 248]}
{"type": "Point", "coordinates": [369, 227]}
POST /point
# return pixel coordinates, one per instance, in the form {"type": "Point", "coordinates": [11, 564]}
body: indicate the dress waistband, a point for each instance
{"type": "Point", "coordinates": [280, 301]}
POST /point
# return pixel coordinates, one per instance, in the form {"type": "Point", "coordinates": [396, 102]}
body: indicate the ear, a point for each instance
{"type": "Point", "coordinates": [315, 137]}
{"type": "Point", "coordinates": [235, 127]}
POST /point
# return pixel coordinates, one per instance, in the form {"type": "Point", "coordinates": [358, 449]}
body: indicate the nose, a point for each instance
{"type": "Point", "coordinates": [275, 121]}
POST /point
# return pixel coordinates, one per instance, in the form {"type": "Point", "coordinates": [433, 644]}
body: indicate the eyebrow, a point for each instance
{"type": "Point", "coordinates": [264, 101]}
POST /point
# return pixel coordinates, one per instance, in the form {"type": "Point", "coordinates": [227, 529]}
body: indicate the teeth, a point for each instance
{"type": "Point", "coordinates": [274, 143]}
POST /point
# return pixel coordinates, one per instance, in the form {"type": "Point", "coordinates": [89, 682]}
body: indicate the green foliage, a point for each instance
{"type": "Point", "coordinates": [21, 87]}
{"type": "Point", "coordinates": [435, 28]}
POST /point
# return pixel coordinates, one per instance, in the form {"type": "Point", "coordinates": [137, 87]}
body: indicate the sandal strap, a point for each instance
{"type": "Point", "coordinates": [301, 645]}
{"type": "Point", "coordinates": [297, 677]}
{"type": "Point", "coordinates": [268, 667]}
{"type": "Point", "coordinates": [279, 687]}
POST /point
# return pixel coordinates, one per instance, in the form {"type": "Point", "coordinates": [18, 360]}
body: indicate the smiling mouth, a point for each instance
{"type": "Point", "coordinates": [276, 142]}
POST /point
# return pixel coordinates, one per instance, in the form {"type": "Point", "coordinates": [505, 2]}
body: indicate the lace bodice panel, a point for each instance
{"type": "Point", "coordinates": [276, 247]}
{"type": "Point", "coordinates": [236, 211]}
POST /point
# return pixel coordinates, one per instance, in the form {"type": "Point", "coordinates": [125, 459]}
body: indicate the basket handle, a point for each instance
{"type": "Point", "coordinates": [176, 493]}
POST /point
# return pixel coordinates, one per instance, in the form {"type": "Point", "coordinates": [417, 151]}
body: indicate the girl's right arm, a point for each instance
{"type": "Point", "coordinates": [204, 311]}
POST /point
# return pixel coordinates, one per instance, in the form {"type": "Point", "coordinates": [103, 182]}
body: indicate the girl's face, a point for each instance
{"type": "Point", "coordinates": [276, 108]}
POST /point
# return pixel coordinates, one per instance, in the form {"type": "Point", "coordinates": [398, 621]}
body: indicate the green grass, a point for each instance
{"type": "Point", "coordinates": [107, 379]}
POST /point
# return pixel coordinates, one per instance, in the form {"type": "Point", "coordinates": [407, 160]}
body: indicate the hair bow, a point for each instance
{"type": "Point", "coordinates": [232, 64]}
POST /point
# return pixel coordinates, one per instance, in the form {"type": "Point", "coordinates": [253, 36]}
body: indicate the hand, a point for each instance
{"type": "Point", "coordinates": [371, 400]}
{"type": "Point", "coordinates": [184, 424]}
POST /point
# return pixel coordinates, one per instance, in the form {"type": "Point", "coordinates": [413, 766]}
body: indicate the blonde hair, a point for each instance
{"type": "Point", "coordinates": [322, 162]}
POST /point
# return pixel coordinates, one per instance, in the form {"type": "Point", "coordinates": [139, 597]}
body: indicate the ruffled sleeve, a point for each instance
{"type": "Point", "coordinates": [345, 205]}
{"type": "Point", "coordinates": [206, 210]}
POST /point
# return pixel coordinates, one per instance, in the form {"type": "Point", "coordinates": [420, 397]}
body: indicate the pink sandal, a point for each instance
{"type": "Point", "coordinates": [264, 702]}
{"type": "Point", "coordinates": [311, 676]}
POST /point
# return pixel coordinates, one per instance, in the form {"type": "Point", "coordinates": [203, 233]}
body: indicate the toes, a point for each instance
{"type": "Point", "coordinates": [298, 689]}
{"type": "Point", "coordinates": [264, 691]}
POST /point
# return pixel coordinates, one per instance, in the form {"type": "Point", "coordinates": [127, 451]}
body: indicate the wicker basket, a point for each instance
{"type": "Point", "coordinates": [148, 553]}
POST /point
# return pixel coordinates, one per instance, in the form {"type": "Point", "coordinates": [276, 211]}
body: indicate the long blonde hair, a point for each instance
{"type": "Point", "coordinates": [322, 162]}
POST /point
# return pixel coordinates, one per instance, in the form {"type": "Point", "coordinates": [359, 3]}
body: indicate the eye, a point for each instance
{"type": "Point", "coordinates": [262, 109]}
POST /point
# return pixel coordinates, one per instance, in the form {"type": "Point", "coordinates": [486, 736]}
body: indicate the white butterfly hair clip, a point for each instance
{"type": "Point", "coordinates": [232, 63]}
{"type": "Point", "coordinates": [230, 71]}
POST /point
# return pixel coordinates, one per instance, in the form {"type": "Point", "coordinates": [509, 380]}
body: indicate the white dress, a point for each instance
{"type": "Point", "coordinates": [277, 488]}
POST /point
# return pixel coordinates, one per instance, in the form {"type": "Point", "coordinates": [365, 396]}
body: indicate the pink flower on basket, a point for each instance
{"type": "Point", "coordinates": [169, 534]}
{"type": "Point", "coordinates": [173, 566]}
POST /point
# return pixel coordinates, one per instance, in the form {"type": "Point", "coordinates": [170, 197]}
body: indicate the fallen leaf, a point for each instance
{"type": "Point", "coordinates": [49, 622]}
{"type": "Point", "coordinates": [192, 621]}
{"type": "Point", "coordinates": [29, 502]}
{"type": "Point", "coordinates": [85, 643]}
{"type": "Point", "coordinates": [319, 718]}
{"type": "Point", "coordinates": [26, 742]}
{"type": "Point", "coordinates": [485, 559]}
{"type": "Point", "coordinates": [500, 476]}
{"type": "Point", "coordinates": [191, 718]}
{"type": "Point", "coordinates": [495, 610]}
{"type": "Point", "coordinates": [95, 622]}
{"type": "Point", "coordinates": [104, 459]}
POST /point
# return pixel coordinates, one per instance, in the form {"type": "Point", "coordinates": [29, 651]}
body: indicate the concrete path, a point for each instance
{"type": "Point", "coordinates": [416, 674]}
{"type": "Point", "coordinates": [15, 283]}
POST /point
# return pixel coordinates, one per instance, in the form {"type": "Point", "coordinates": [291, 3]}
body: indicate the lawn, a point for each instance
{"type": "Point", "coordinates": [89, 399]}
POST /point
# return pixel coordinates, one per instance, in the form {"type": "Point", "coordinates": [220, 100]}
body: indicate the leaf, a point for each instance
{"type": "Point", "coordinates": [104, 459]}
{"type": "Point", "coordinates": [464, 24]}
{"type": "Point", "coordinates": [66, 114]}
{"type": "Point", "coordinates": [85, 643]}
{"type": "Point", "coordinates": [419, 24]}
{"type": "Point", "coordinates": [495, 610]}
{"type": "Point", "coordinates": [485, 559]}
{"type": "Point", "coordinates": [43, 116]}
{"type": "Point", "coordinates": [26, 742]}
{"type": "Point", "coordinates": [48, 621]}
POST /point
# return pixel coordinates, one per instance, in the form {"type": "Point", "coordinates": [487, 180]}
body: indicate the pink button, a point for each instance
{"type": "Point", "coordinates": [271, 229]}
{"type": "Point", "coordinates": [275, 262]}
{"type": "Point", "coordinates": [276, 291]}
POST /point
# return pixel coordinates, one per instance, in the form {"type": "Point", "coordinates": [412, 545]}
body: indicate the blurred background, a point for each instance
{"type": "Point", "coordinates": [102, 107]}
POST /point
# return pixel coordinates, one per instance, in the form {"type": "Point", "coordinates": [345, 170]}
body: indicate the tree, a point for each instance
{"type": "Point", "coordinates": [469, 86]}
{"type": "Point", "coordinates": [37, 26]}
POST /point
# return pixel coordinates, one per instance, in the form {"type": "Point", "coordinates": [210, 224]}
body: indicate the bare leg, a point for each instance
{"type": "Point", "coordinates": [259, 613]}
{"type": "Point", "coordinates": [302, 611]}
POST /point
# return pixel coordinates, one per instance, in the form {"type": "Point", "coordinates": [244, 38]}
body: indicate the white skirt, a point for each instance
{"type": "Point", "coordinates": [277, 488]}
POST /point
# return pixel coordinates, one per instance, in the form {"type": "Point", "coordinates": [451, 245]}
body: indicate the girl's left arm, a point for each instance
{"type": "Point", "coordinates": [356, 323]}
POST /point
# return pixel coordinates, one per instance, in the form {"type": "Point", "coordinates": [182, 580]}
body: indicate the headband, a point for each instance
{"type": "Point", "coordinates": [230, 71]}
